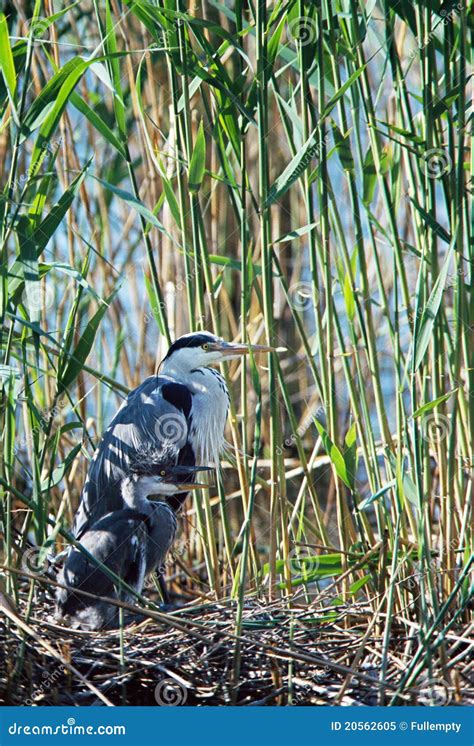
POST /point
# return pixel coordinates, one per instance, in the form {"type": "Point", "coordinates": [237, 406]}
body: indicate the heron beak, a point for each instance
{"type": "Point", "coordinates": [228, 349]}
{"type": "Point", "coordinates": [186, 469]}
{"type": "Point", "coordinates": [189, 486]}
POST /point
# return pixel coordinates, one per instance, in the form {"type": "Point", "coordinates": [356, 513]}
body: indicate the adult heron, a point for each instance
{"type": "Point", "coordinates": [183, 408]}
{"type": "Point", "coordinates": [131, 542]}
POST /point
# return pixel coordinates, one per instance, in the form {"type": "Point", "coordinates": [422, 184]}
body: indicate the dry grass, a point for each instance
{"type": "Point", "coordinates": [296, 653]}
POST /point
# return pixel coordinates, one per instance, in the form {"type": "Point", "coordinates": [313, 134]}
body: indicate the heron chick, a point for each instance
{"type": "Point", "coordinates": [131, 542]}
{"type": "Point", "coordinates": [184, 409]}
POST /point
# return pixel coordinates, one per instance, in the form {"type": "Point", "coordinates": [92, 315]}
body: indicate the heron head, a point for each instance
{"type": "Point", "coordinates": [165, 479]}
{"type": "Point", "coordinates": [201, 349]}
{"type": "Point", "coordinates": [176, 478]}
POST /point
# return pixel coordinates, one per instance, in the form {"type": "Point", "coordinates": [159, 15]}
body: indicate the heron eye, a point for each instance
{"type": "Point", "coordinates": [162, 473]}
{"type": "Point", "coordinates": [205, 347]}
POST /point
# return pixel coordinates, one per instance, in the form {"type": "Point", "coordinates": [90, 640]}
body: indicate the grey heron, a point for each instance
{"type": "Point", "coordinates": [131, 542]}
{"type": "Point", "coordinates": [183, 408]}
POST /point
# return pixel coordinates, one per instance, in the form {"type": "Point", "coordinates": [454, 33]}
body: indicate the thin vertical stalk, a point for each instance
{"type": "Point", "coordinates": [265, 249]}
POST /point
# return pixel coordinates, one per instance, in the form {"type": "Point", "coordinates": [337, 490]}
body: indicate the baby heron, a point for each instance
{"type": "Point", "coordinates": [131, 543]}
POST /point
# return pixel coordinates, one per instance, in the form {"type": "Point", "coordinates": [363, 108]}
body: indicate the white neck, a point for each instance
{"type": "Point", "coordinates": [210, 408]}
{"type": "Point", "coordinates": [176, 369]}
{"type": "Point", "coordinates": [136, 491]}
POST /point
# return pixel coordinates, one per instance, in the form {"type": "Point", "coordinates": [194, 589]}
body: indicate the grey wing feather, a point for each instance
{"type": "Point", "coordinates": [161, 536]}
{"type": "Point", "coordinates": [118, 541]}
{"type": "Point", "coordinates": [146, 421]}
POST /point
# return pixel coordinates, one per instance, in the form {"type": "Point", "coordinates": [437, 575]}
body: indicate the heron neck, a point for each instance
{"type": "Point", "coordinates": [199, 380]}
{"type": "Point", "coordinates": [209, 410]}
{"type": "Point", "coordinates": [135, 493]}
{"type": "Point", "coordinates": [180, 373]}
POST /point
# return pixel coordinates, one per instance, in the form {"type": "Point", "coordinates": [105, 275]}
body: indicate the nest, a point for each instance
{"type": "Point", "coordinates": [285, 654]}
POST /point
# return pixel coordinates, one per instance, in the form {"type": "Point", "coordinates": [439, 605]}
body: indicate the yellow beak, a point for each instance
{"type": "Point", "coordinates": [188, 486]}
{"type": "Point", "coordinates": [227, 349]}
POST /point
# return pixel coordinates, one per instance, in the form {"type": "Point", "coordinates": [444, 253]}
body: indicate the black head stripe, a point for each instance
{"type": "Point", "coordinates": [191, 340]}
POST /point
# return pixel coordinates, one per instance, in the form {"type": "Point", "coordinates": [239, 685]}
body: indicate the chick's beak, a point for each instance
{"type": "Point", "coordinates": [186, 472]}
{"type": "Point", "coordinates": [188, 486]}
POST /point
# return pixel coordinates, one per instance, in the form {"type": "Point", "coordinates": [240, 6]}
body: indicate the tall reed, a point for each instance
{"type": "Point", "coordinates": [292, 173]}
